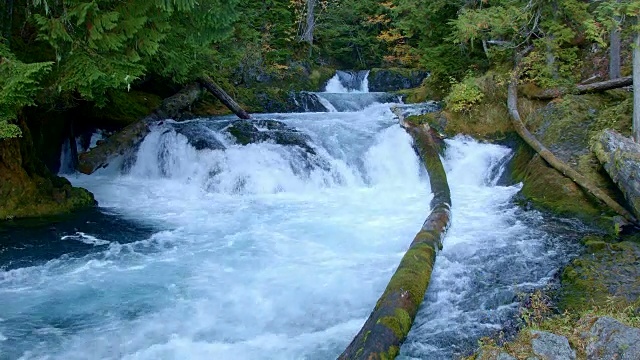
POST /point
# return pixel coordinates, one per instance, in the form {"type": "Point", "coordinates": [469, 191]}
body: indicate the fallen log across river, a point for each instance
{"type": "Point", "coordinates": [388, 325]}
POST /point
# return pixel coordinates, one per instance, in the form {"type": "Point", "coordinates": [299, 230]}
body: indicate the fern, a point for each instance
{"type": "Point", "coordinates": [19, 82]}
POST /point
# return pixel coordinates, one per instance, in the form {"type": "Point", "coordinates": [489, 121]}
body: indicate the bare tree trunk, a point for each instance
{"type": "Point", "coordinates": [552, 160]}
{"type": "Point", "coordinates": [636, 86]}
{"type": "Point", "coordinates": [307, 34]}
{"type": "Point", "coordinates": [389, 323]}
{"type": "Point", "coordinates": [583, 89]}
{"type": "Point", "coordinates": [614, 51]}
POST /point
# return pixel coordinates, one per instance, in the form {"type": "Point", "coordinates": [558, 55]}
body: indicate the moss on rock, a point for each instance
{"type": "Point", "coordinates": [28, 189]}
{"type": "Point", "coordinates": [607, 270]}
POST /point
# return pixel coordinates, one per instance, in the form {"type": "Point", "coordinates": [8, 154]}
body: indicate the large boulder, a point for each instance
{"type": "Point", "coordinates": [610, 339]}
{"type": "Point", "coordinates": [549, 346]}
{"type": "Point", "coordinates": [620, 157]}
{"type": "Point", "coordinates": [255, 131]}
{"type": "Point", "coordinates": [198, 136]}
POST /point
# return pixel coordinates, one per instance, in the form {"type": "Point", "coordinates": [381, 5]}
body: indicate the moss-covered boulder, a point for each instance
{"type": "Point", "coordinates": [567, 127]}
{"type": "Point", "coordinates": [607, 270]}
{"type": "Point", "coordinates": [27, 187]}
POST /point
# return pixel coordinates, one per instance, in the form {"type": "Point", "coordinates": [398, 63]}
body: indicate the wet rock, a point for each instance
{"type": "Point", "coordinates": [610, 339]}
{"type": "Point", "coordinates": [384, 80]}
{"type": "Point", "coordinates": [548, 346]}
{"type": "Point", "coordinates": [199, 137]}
{"type": "Point", "coordinates": [620, 157]}
{"type": "Point", "coordinates": [250, 131]}
{"type": "Point", "coordinates": [307, 102]}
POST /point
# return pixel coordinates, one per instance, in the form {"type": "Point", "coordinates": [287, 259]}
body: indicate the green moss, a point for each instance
{"type": "Point", "coordinates": [488, 119]}
{"type": "Point", "coordinates": [391, 354]}
{"type": "Point", "coordinates": [417, 95]}
{"type": "Point", "coordinates": [414, 273]}
{"type": "Point", "coordinates": [28, 189]}
{"type": "Point", "coordinates": [550, 190]}
{"type": "Point", "coordinates": [399, 323]}
{"type": "Point", "coordinates": [606, 270]}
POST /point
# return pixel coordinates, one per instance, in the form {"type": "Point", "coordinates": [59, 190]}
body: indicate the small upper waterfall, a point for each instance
{"type": "Point", "coordinates": [346, 91]}
{"type": "Point", "coordinates": [348, 82]}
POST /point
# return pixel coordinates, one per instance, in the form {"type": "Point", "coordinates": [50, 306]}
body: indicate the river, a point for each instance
{"type": "Point", "coordinates": [268, 251]}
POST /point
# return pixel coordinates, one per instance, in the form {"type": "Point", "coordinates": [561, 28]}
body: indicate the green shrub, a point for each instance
{"type": "Point", "coordinates": [464, 95]}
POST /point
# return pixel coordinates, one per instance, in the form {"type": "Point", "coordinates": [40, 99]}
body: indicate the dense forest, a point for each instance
{"type": "Point", "coordinates": [528, 80]}
{"type": "Point", "coordinates": [57, 54]}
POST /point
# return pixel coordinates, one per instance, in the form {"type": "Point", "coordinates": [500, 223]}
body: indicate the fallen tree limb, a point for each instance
{"type": "Point", "coordinates": [389, 323]}
{"type": "Point", "coordinates": [552, 160]}
{"type": "Point", "coordinates": [584, 89]}
{"type": "Point", "coordinates": [130, 136]}
{"type": "Point", "coordinates": [227, 100]}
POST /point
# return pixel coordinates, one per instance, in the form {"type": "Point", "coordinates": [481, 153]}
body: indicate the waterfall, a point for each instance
{"type": "Point", "coordinates": [223, 239]}
{"type": "Point", "coordinates": [83, 143]}
{"type": "Point", "coordinates": [348, 82]}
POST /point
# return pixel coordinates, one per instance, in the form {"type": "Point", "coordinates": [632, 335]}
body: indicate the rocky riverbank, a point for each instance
{"type": "Point", "coordinates": [598, 292]}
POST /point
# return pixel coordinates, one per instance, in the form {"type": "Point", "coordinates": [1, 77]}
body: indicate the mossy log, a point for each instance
{"type": "Point", "coordinates": [620, 157]}
{"type": "Point", "coordinates": [551, 159]}
{"type": "Point", "coordinates": [130, 136]}
{"type": "Point", "coordinates": [584, 89]}
{"type": "Point", "coordinates": [388, 325]}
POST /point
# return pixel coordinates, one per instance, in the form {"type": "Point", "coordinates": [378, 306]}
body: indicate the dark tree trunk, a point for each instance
{"type": "Point", "coordinates": [227, 100]}
{"type": "Point", "coordinates": [388, 325]}
{"type": "Point", "coordinates": [8, 20]}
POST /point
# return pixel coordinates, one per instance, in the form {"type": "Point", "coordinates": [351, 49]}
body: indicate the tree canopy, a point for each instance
{"type": "Point", "coordinates": [62, 52]}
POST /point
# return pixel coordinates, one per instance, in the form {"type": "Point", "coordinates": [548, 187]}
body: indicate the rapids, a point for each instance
{"type": "Point", "coordinates": [267, 251]}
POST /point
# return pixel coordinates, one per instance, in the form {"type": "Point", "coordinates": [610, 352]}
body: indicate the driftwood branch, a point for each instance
{"type": "Point", "coordinates": [227, 100]}
{"type": "Point", "coordinates": [130, 136]}
{"type": "Point", "coordinates": [389, 323]}
{"type": "Point", "coordinates": [559, 165]}
{"type": "Point", "coordinates": [584, 89]}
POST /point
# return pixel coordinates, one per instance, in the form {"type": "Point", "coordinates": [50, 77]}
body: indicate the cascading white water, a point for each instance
{"type": "Point", "coordinates": [268, 251]}
{"type": "Point", "coordinates": [67, 164]}
{"type": "Point", "coordinates": [348, 82]}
